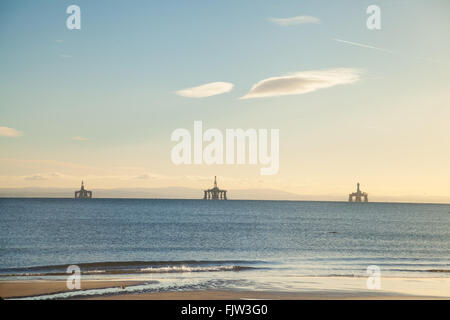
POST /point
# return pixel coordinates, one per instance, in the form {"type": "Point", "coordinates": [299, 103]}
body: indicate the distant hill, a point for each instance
{"type": "Point", "coordinates": [169, 192]}
{"type": "Point", "coordinates": [192, 193]}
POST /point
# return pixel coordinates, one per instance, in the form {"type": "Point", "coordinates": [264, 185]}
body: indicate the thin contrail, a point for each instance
{"type": "Point", "coordinates": [389, 51]}
{"type": "Point", "coordinates": [365, 46]}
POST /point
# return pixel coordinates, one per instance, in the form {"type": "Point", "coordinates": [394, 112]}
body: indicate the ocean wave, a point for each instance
{"type": "Point", "coordinates": [439, 270]}
{"type": "Point", "coordinates": [184, 268]}
{"type": "Point", "coordinates": [135, 267]}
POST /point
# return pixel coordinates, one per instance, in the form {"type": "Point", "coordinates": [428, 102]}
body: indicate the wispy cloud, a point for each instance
{"type": "Point", "coordinates": [144, 176]}
{"type": "Point", "coordinates": [295, 20]}
{"type": "Point", "coordinates": [9, 132]}
{"type": "Point", "coordinates": [35, 177]}
{"type": "Point", "coordinates": [206, 90]}
{"type": "Point", "coordinates": [65, 56]}
{"type": "Point", "coordinates": [302, 82]}
{"type": "Point", "coordinates": [79, 138]}
{"type": "Point", "coordinates": [43, 176]}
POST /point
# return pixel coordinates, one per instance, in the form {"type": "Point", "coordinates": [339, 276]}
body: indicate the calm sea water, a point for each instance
{"type": "Point", "coordinates": [221, 243]}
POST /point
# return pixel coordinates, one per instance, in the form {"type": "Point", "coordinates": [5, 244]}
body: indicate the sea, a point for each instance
{"type": "Point", "coordinates": [234, 244]}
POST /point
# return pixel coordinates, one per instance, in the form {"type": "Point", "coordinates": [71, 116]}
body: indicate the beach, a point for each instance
{"type": "Point", "coordinates": [342, 289]}
{"type": "Point", "coordinates": [29, 288]}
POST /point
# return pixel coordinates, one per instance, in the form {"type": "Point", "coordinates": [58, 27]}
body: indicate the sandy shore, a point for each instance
{"type": "Point", "coordinates": [331, 288]}
{"type": "Point", "coordinates": [16, 289]}
{"type": "Point", "coordinates": [256, 295]}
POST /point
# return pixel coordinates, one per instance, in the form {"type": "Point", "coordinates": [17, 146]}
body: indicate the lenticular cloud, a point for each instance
{"type": "Point", "coordinates": [295, 20]}
{"type": "Point", "coordinates": [206, 90]}
{"type": "Point", "coordinates": [302, 82]}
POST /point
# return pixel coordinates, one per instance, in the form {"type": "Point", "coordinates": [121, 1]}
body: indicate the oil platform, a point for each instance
{"type": "Point", "coordinates": [358, 195]}
{"type": "Point", "coordinates": [215, 193]}
{"type": "Point", "coordinates": [83, 193]}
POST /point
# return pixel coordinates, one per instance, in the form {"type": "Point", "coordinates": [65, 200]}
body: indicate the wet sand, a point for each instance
{"type": "Point", "coordinates": [330, 288]}
{"type": "Point", "coordinates": [27, 288]}
{"type": "Point", "coordinates": [256, 295]}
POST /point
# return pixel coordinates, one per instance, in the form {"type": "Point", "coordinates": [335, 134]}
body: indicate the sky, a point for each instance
{"type": "Point", "coordinates": [351, 104]}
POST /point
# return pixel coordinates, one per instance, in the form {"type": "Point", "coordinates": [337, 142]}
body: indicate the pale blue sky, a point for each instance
{"type": "Point", "coordinates": [114, 82]}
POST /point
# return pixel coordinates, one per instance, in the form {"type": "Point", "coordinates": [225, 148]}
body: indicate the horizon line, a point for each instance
{"type": "Point", "coordinates": [201, 199]}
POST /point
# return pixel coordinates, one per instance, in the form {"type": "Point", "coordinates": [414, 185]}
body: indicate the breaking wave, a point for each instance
{"type": "Point", "coordinates": [135, 267]}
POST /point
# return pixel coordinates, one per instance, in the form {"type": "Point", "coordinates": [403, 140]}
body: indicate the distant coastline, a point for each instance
{"type": "Point", "coordinates": [183, 193]}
